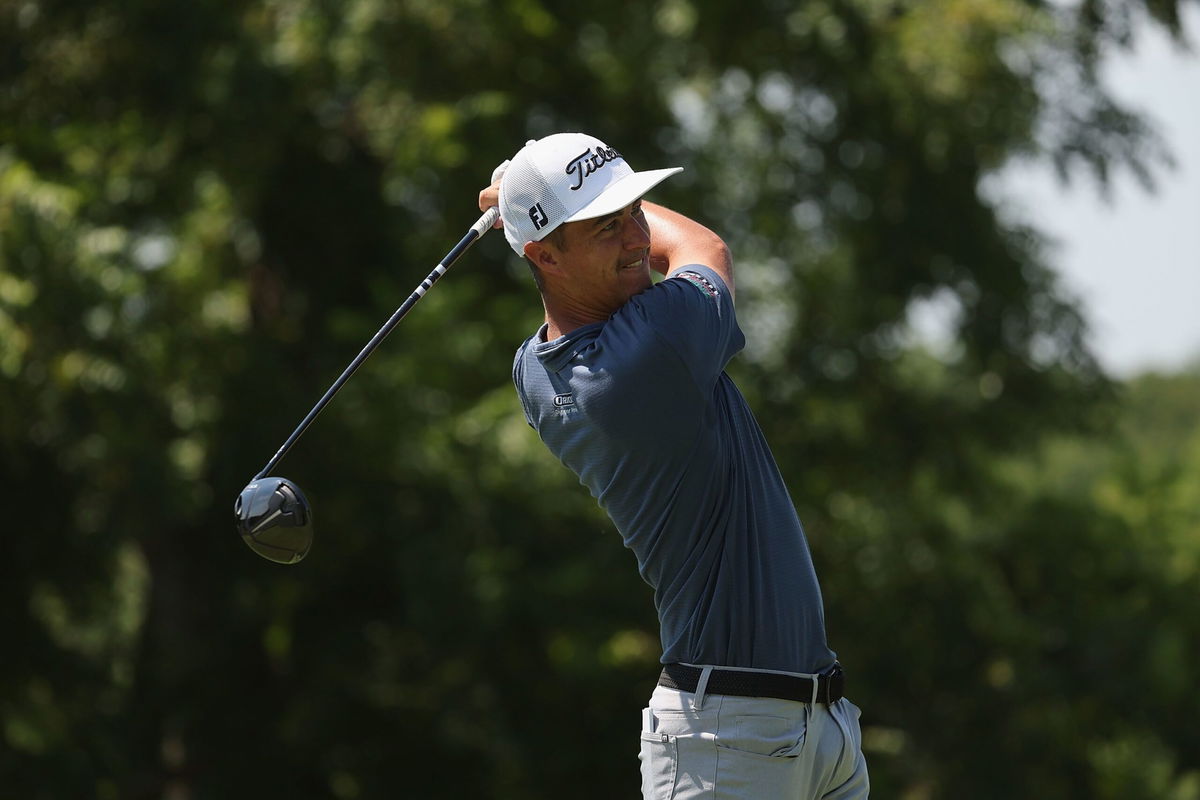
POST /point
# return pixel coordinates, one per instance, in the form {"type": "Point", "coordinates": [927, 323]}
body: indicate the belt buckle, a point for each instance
{"type": "Point", "coordinates": [834, 685]}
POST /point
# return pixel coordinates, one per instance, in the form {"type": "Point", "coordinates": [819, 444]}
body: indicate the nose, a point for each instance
{"type": "Point", "coordinates": [635, 231]}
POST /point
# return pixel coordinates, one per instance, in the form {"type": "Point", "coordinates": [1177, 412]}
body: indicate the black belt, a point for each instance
{"type": "Point", "coordinates": [831, 686]}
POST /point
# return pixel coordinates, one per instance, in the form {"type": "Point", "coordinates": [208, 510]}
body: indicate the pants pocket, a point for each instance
{"type": "Point", "coordinates": [679, 758]}
{"type": "Point", "coordinates": [765, 735]}
{"type": "Point", "coordinates": [759, 756]}
{"type": "Point", "coordinates": [659, 755]}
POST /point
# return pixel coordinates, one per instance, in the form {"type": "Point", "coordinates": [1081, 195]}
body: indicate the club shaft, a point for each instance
{"type": "Point", "coordinates": [481, 226]}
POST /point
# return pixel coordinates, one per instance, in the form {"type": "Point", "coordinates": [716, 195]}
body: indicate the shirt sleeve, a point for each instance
{"type": "Point", "coordinates": [692, 313]}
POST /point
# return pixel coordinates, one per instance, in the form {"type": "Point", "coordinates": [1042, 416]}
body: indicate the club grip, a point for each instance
{"type": "Point", "coordinates": [485, 223]}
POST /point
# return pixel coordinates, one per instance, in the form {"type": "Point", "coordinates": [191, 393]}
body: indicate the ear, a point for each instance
{"type": "Point", "coordinates": [543, 255]}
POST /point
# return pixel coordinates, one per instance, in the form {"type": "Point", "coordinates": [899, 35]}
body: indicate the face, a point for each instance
{"type": "Point", "coordinates": [604, 261]}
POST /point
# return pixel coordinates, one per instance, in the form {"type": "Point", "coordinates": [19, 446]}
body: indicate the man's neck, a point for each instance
{"type": "Point", "coordinates": [562, 319]}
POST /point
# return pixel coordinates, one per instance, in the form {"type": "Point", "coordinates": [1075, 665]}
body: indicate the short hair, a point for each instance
{"type": "Point", "coordinates": [537, 274]}
{"type": "Point", "coordinates": [558, 238]}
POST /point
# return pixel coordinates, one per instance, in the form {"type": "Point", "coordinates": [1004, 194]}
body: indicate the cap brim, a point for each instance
{"type": "Point", "coordinates": [623, 192]}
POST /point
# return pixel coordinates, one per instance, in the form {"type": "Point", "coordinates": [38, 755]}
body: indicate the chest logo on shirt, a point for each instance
{"type": "Point", "coordinates": [564, 402]}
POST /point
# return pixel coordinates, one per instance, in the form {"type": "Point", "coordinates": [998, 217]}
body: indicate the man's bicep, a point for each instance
{"type": "Point", "coordinates": [717, 258]}
{"type": "Point", "coordinates": [677, 241]}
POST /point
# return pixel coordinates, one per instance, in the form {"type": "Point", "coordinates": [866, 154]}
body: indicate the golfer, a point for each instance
{"type": "Point", "coordinates": [625, 384]}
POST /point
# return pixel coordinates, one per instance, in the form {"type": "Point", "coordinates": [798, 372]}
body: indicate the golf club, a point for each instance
{"type": "Point", "coordinates": [272, 515]}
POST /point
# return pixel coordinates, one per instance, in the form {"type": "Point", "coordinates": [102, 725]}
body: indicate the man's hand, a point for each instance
{"type": "Point", "coordinates": [490, 197]}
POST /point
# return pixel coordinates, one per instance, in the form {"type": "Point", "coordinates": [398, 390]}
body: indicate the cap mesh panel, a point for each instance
{"type": "Point", "coordinates": [524, 188]}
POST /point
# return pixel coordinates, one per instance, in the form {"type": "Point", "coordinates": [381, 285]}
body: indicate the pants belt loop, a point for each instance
{"type": "Point", "coordinates": [701, 689]}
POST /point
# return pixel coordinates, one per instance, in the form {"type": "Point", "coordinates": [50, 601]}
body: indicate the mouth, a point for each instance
{"type": "Point", "coordinates": [639, 263]}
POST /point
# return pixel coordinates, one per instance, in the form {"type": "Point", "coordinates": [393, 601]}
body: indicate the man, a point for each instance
{"type": "Point", "coordinates": [625, 384]}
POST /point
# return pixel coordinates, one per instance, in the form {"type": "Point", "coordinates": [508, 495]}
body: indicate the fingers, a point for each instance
{"type": "Point", "coordinates": [490, 197]}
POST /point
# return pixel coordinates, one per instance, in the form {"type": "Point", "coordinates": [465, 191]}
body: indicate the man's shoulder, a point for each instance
{"type": "Point", "coordinates": [519, 357]}
{"type": "Point", "coordinates": [689, 294]}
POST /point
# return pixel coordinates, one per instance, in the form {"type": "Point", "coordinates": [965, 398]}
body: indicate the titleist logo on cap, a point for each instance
{"type": "Point", "coordinates": [587, 162]}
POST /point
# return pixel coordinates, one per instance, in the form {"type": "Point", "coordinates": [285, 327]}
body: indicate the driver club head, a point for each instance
{"type": "Point", "coordinates": [275, 520]}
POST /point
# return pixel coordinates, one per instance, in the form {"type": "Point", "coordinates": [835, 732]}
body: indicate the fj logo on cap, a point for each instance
{"type": "Point", "coordinates": [538, 216]}
{"type": "Point", "coordinates": [588, 162]}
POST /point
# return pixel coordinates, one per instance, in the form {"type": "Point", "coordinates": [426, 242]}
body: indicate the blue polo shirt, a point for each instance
{"type": "Point", "coordinates": [640, 409]}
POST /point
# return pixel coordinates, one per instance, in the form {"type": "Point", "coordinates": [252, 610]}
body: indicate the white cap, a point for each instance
{"type": "Point", "coordinates": [564, 178]}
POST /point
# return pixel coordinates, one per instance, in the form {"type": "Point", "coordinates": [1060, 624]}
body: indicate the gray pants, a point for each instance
{"type": "Point", "coordinates": [723, 747]}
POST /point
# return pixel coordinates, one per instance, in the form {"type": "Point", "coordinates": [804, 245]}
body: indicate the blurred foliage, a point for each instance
{"type": "Point", "coordinates": [207, 208]}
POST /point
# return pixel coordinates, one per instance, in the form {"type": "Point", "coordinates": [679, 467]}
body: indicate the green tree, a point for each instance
{"type": "Point", "coordinates": [207, 208]}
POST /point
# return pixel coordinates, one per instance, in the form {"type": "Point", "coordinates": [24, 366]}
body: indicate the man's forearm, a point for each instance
{"type": "Point", "coordinates": [676, 241]}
